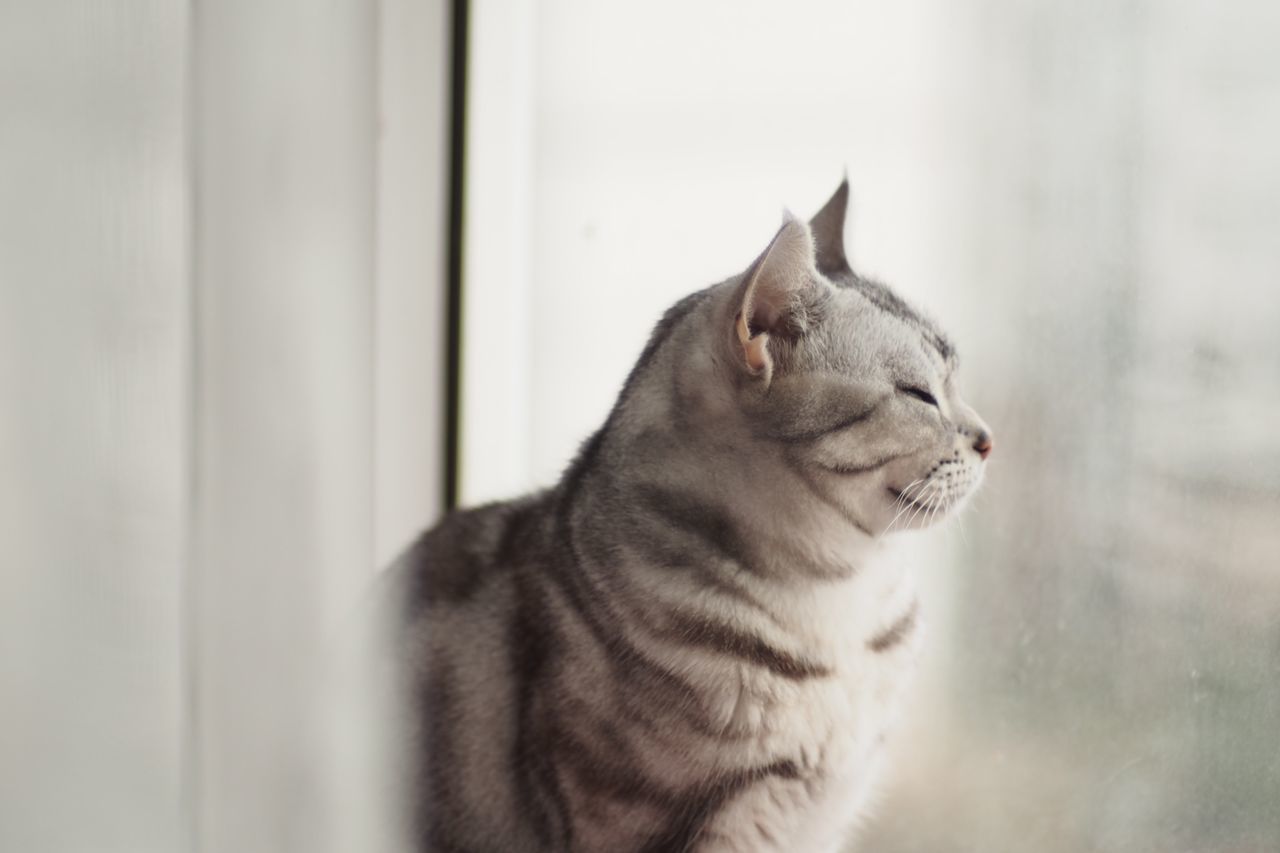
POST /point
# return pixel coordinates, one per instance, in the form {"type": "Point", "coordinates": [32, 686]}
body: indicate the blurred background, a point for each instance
{"type": "Point", "coordinates": [281, 281]}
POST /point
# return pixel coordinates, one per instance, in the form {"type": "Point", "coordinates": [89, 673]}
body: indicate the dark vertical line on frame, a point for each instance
{"type": "Point", "coordinates": [453, 284]}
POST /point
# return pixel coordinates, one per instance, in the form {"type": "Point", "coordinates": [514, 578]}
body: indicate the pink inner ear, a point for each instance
{"type": "Point", "coordinates": [754, 347]}
{"type": "Point", "coordinates": [756, 352]}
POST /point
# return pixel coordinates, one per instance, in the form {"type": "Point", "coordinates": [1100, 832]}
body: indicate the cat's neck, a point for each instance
{"type": "Point", "coordinates": [703, 541]}
{"type": "Point", "coordinates": [756, 500]}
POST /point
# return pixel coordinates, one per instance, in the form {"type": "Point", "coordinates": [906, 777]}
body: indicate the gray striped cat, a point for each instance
{"type": "Point", "coordinates": [697, 640]}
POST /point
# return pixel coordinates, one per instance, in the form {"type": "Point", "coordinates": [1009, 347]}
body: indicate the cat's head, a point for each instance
{"type": "Point", "coordinates": [840, 377]}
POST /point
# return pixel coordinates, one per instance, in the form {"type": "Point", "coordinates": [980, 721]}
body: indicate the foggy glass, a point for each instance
{"type": "Point", "coordinates": [1108, 677]}
{"type": "Point", "coordinates": [1087, 196]}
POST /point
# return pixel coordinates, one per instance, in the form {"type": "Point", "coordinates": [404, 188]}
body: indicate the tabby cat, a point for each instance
{"type": "Point", "coordinates": [696, 640]}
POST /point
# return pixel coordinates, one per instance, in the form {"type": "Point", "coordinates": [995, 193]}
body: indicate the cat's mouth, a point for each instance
{"type": "Point", "coordinates": [907, 502]}
{"type": "Point", "coordinates": [922, 500]}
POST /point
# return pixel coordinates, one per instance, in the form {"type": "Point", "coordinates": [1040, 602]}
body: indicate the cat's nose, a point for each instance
{"type": "Point", "coordinates": [983, 443]}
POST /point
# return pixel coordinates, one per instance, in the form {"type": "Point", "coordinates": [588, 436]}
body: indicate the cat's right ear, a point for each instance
{"type": "Point", "coordinates": [828, 232]}
{"type": "Point", "coordinates": [772, 298]}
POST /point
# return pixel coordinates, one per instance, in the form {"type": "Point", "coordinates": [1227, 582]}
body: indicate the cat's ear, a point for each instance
{"type": "Point", "coordinates": [828, 232]}
{"type": "Point", "coordinates": [774, 294]}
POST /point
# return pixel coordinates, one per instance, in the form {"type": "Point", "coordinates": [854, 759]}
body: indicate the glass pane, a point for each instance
{"type": "Point", "coordinates": [1085, 195]}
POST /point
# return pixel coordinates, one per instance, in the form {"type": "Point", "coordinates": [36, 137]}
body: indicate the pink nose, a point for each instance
{"type": "Point", "coordinates": [983, 444]}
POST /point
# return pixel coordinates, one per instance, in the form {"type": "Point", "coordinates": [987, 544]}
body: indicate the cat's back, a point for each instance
{"type": "Point", "coordinates": [459, 600]}
{"type": "Point", "coordinates": [468, 551]}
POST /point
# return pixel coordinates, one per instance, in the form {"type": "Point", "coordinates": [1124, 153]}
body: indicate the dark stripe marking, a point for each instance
{"type": "Point", "coordinates": [616, 778]}
{"type": "Point", "coordinates": [894, 305]}
{"type": "Point", "coordinates": [706, 524]}
{"type": "Point", "coordinates": [661, 553]}
{"type": "Point", "coordinates": [688, 823]}
{"type": "Point", "coordinates": [897, 632]}
{"type": "Point", "coordinates": [542, 801]}
{"type": "Point", "coordinates": [809, 436]}
{"type": "Point", "coordinates": [631, 667]}
{"type": "Point", "coordinates": [436, 764]}
{"type": "Point", "coordinates": [694, 630]}
{"type": "Point", "coordinates": [840, 509]}
{"type": "Point", "coordinates": [852, 470]}
{"type": "Point", "coordinates": [717, 530]}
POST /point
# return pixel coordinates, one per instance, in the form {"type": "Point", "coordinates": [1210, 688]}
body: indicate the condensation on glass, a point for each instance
{"type": "Point", "coordinates": [1085, 195]}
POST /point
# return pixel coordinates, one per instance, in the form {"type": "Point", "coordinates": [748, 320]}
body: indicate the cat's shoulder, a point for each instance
{"type": "Point", "coordinates": [450, 562]}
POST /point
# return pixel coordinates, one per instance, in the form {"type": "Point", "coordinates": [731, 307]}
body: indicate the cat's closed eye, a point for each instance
{"type": "Point", "coordinates": [919, 393]}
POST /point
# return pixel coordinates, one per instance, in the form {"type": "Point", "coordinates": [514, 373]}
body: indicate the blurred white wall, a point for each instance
{"type": "Point", "coordinates": [410, 261]}
{"type": "Point", "coordinates": [95, 426]}
{"type": "Point", "coordinates": [282, 507]}
{"type": "Point", "coordinates": [221, 267]}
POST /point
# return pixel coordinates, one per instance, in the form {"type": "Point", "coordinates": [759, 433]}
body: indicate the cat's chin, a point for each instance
{"type": "Point", "coordinates": [917, 510]}
{"type": "Point", "coordinates": [905, 502]}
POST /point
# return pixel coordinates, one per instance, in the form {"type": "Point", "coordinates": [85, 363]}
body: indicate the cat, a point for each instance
{"type": "Point", "coordinates": [698, 639]}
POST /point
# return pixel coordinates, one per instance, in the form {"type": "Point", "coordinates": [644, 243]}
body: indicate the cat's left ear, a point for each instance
{"type": "Point", "coordinates": [828, 232]}
{"type": "Point", "coordinates": [776, 294]}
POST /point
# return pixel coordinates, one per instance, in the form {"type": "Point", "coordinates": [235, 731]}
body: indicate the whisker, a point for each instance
{"type": "Point", "coordinates": [904, 500]}
{"type": "Point", "coordinates": [935, 503]}
{"type": "Point", "coordinates": [932, 484]}
{"type": "Point", "coordinates": [910, 500]}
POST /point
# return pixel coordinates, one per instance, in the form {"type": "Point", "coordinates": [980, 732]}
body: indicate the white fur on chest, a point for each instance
{"type": "Point", "coordinates": [832, 728]}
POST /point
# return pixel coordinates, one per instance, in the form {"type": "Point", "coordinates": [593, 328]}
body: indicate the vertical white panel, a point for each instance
{"type": "Point", "coordinates": [497, 271]}
{"type": "Point", "coordinates": [93, 369]}
{"type": "Point", "coordinates": [285, 272]}
{"type": "Point", "coordinates": [412, 204]}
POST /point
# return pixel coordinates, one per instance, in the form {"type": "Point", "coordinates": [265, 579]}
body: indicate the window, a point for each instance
{"type": "Point", "coordinates": [1084, 196]}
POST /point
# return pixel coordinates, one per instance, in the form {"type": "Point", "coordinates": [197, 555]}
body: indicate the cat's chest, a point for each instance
{"type": "Point", "coordinates": [830, 736]}
{"type": "Point", "coordinates": [831, 718]}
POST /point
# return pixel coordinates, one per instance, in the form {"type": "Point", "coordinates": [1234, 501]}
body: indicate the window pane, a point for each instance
{"type": "Point", "coordinates": [1084, 194]}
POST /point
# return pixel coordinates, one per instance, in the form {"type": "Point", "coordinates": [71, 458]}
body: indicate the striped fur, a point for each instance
{"type": "Point", "coordinates": [697, 640]}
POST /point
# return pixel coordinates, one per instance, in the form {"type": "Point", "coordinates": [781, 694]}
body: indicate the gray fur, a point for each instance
{"type": "Point", "coordinates": [697, 640]}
